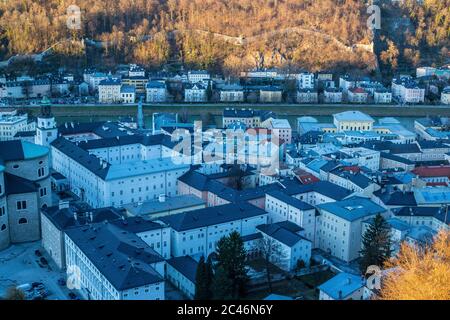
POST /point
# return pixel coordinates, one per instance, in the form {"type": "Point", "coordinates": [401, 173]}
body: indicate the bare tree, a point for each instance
{"type": "Point", "coordinates": [238, 178]}
{"type": "Point", "coordinates": [271, 251]}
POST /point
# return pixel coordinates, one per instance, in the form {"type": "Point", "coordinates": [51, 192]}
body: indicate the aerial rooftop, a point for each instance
{"type": "Point", "coordinates": [353, 208]}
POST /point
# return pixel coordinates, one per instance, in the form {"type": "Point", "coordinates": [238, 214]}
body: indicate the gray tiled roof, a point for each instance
{"type": "Point", "coordinates": [122, 257]}
{"type": "Point", "coordinates": [18, 185]}
{"type": "Point", "coordinates": [282, 232]}
{"type": "Point", "coordinates": [211, 216]}
{"type": "Point", "coordinates": [294, 202]}
{"type": "Point", "coordinates": [65, 218]}
{"type": "Point", "coordinates": [137, 224]}
{"type": "Point", "coordinates": [187, 266]}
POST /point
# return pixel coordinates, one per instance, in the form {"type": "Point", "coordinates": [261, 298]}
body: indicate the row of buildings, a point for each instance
{"type": "Point", "coordinates": [128, 211]}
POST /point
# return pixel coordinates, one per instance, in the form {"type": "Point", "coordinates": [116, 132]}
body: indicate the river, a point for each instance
{"type": "Point", "coordinates": [408, 122]}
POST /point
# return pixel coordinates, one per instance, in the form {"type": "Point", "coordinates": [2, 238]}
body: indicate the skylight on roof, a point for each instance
{"type": "Point", "coordinates": [351, 208]}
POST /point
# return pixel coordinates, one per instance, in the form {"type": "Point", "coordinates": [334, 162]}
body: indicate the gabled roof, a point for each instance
{"type": "Point", "coordinates": [294, 202]}
{"type": "Point", "coordinates": [437, 212]}
{"type": "Point", "coordinates": [170, 204]}
{"type": "Point", "coordinates": [65, 218]}
{"type": "Point", "coordinates": [120, 256]}
{"type": "Point", "coordinates": [138, 224]}
{"type": "Point", "coordinates": [211, 216]}
{"type": "Point", "coordinates": [429, 172]}
{"type": "Point", "coordinates": [353, 208]}
{"type": "Point", "coordinates": [325, 188]}
{"type": "Point", "coordinates": [18, 185]}
{"type": "Point", "coordinates": [156, 85]}
{"type": "Point", "coordinates": [353, 116]}
{"type": "Point", "coordinates": [186, 265]}
{"type": "Point", "coordinates": [422, 234]}
{"type": "Point", "coordinates": [110, 82]}
{"type": "Point", "coordinates": [356, 178]}
{"type": "Point", "coordinates": [73, 151]}
{"type": "Point", "coordinates": [283, 232]}
{"type": "Point", "coordinates": [393, 157]}
{"type": "Point", "coordinates": [393, 223]}
{"type": "Point", "coordinates": [342, 285]}
{"type": "Point", "coordinates": [106, 171]}
{"type": "Point", "coordinates": [396, 198]}
{"type": "Point", "coordinates": [16, 150]}
{"type": "Point", "coordinates": [101, 129]}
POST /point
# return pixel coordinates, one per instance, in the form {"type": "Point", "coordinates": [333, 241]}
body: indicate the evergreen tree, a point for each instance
{"type": "Point", "coordinates": [231, 258]}
{"type": "Point", "coordinates": [209, 275]}
{"type": "Point", "coordinates": [222, 285]}
{"type": "Point", "coordinates": [209, 91]}
{"type": "Point", "coordinates": [201, 281]}
{"type": "Point", "coordinates": [376, 244]}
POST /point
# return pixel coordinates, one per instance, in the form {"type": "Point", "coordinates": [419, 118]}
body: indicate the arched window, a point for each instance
{"type": "Point", "coordinates": [3, 228]}
{"type": "Point", "coordinates": [23, 221]}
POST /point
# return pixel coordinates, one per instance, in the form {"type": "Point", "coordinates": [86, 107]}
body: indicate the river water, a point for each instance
{"type": "Point", "coordinates": [408, 122]}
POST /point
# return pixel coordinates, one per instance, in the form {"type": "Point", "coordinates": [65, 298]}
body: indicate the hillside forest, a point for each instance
{"type": "Point", "coordinates": [229, 36]}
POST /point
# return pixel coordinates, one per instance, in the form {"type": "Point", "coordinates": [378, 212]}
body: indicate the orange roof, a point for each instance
{"type": "Point", "coordinates": [358, 90]}
{"type": "Point", "coordinates": [443, 171]}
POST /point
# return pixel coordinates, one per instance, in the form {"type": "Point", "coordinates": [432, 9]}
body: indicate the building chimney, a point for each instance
{"type": "Point", "coordinates": [91, 216]}
{"type": "Point", "coordinates": [340, 294]}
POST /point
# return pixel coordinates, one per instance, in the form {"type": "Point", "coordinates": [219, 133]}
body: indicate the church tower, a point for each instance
{"type": "Point", "coordinates": [46, 131]}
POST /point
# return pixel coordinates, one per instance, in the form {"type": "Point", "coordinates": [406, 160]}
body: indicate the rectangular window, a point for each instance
{"type": "Point", "coordinates": [21, 205]}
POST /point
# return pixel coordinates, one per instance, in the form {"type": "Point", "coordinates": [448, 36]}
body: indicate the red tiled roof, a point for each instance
{"type": "Point", "coordinates": [443, 171]}
{"type": "Point", "coordinates": [308, 179]}
{"type": "Point", "coordinates": [357, 90]}
{"type": "Point", "coordinates": [351, 168]}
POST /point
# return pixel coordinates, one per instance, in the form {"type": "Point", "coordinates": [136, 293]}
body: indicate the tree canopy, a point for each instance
{"type": "Point", "coordinates": [419, 273]}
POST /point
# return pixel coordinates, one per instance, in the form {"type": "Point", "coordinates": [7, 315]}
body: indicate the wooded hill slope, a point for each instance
{"type": "Point", "coordinates": [220, 35]}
